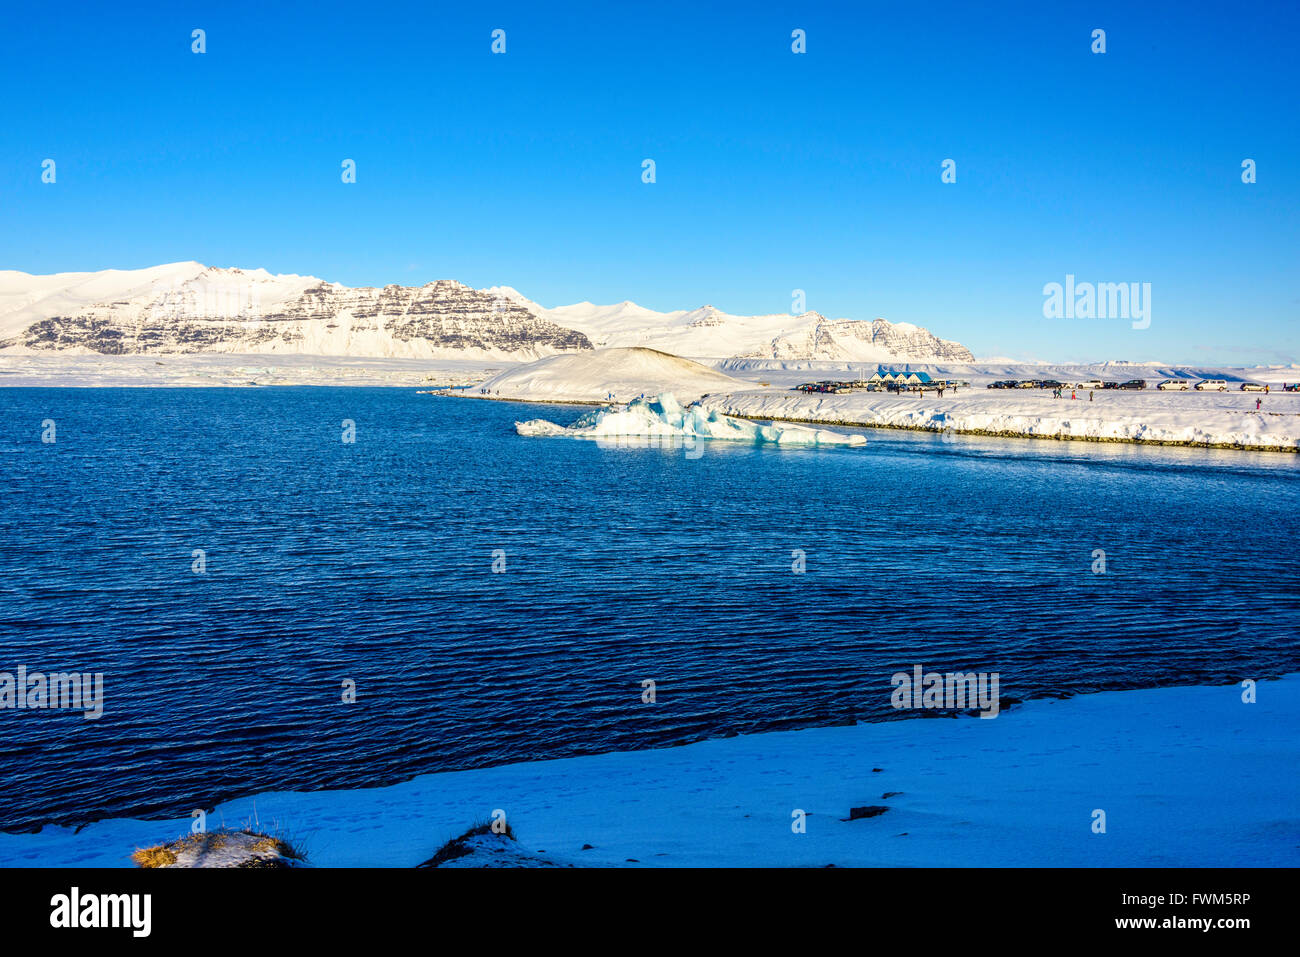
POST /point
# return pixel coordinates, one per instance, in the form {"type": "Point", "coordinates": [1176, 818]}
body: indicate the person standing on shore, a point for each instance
{"type": "Point", "coordinates": [1089, 395]}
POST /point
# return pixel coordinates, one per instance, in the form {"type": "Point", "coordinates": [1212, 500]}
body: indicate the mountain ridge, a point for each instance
{"type": "Point", "coordinates": [189, 307]}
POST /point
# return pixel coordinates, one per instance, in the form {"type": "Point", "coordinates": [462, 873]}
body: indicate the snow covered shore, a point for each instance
{"type": "Point", "coordinates": [763, 391]}
{"type": "Point", "coordinates": [1186, 776]}
{"type": "Point", "coordinates": [748, 388]}
{"type": "Point", "coordinates": [232, 370]}
{"type": "Point", "coordinates": [1226, 419]}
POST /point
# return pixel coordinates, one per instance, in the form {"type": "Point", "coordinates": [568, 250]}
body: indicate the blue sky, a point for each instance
{"type": "Point", "coordinates": [775, 171]}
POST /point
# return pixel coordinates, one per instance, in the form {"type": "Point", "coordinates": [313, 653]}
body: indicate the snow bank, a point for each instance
{"type": "Point", "coordinates": [1187, 777]}
{"type": "Point", "coordinates": [1182, 418]}
{"type": "Point", "coordinates": [665, 417]}
{"type": "Point", "coordinates": [605, 374]}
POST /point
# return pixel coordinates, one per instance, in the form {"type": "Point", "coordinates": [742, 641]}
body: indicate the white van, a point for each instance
{"type": "Point", "coordinates": [1176, 385]}
{"type": "Point", "coordinates": [1212, 385]}
{"type": "Point", "coordinates": [1091, 384]}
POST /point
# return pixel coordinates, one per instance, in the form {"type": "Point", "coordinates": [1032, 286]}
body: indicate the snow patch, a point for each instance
{"type": "Point", "coordinates": [605, 375]}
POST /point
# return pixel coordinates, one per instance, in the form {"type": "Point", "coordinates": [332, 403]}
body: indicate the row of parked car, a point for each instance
{"type": "Point", "coordinates": [1056, 384]}
{"type": "Point", "coordinates": [1175, 385]}
{"type": "Point", "coordinates": [1209, 385]}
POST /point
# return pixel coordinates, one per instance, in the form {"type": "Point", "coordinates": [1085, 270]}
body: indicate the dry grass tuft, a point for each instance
{"type": "Point", "coordinates": [158, 856]}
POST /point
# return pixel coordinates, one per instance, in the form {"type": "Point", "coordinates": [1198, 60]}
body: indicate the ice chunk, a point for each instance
{"type": "Point", "coordinates": [539, 427]}
{"type": "Point", "coordinates": [664, 416]}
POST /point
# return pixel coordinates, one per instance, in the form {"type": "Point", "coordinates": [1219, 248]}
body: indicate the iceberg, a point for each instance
{"type": "Point", "coordinates": [664, 417]}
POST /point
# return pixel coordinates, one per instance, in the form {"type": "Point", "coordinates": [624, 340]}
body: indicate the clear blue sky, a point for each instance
{"type": "Point", "coordinates": [775, 171]}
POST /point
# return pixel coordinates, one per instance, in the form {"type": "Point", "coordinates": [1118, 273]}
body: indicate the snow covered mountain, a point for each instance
{"type": "Point", "coordinates": [860, 341]}
{"type": "Point", "coordinates": [188, 307]}
{"type": "Point", "coordinates": [709, 332]}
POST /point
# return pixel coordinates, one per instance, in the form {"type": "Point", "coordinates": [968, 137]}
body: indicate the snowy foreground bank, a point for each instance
{"type": "Point", "coordinates": [1185, 777]}
{"type": "Point", "coordinates": [1227, 419]}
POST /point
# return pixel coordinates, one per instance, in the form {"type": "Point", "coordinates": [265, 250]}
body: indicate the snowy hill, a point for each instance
{"type": "Point", "coordinates": [594, 376]}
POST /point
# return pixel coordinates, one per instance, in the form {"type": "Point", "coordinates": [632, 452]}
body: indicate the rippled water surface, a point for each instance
{"type": "Point", "coordinates": [373, 562]}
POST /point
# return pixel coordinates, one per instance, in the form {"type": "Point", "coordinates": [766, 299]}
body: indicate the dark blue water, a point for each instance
{"type": "Point", "coordinates": [373, 562]}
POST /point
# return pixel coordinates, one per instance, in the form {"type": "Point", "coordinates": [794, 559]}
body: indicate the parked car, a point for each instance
{"type": "Point", "coordinates": [1254, 387]}
{"type": "Point", "coordinates": [1134, 384]}
{"type": "Point", "coordinates": [1174, 385]}
{"type": "Point", "coordinates": [1004, 384]}
{"type": "Point", "coordinates": [1211, 385]}
{"type": "Point", "coordinates": [1028, 384]}
{"type": "Point", "coordinates": [1051, 384]}
{"type": "Point", "coordinates": [1110, 385]}
{"type": "Point", "coordinates": [1092, 384]}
